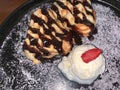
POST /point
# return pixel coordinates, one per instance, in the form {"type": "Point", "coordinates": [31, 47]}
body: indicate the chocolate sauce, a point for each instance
{"type": "Point", "coordinates": [31, 49]}
{"type": "Point", "coordinates": [75, 2]}
{"type": "Point", "coordinates": [44, 52]}
{"type": "Point", "coordinates": [59, 16]}
{"type": "Point", "coordinates": [62, 5]}
{"type": "Point", "coordinates": [51, 21]}
{"type": "Point", "coordinates": [68, 35]}
{"type": "Point", "coordinates": [85, 3]}
{"type": "Point", "coordinates": [33, 30]}
{"type": "Point", "coordinates": [68, 38]}
{"type": "Point", "coordinates": [87, 22]}
{"type": "Point", "coordinates": [76, 35]}
{"type": "Point", "coordinates": [47, 42]}
{"type": "Point", "coordinates": [76, 11]}
{"type": "Point", "coordinates": [54, 8]}
{"type": "Point", "coordinates": [37, 19]}
{"type": "Point", "coordinates": [34, 42]}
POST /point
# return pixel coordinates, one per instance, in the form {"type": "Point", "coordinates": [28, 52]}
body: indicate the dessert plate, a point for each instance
{"type": "Point", "coordinates": [19, 73]}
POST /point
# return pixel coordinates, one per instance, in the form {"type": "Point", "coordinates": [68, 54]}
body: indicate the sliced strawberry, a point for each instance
{"type": "Point", "coordinates": [91, 55]}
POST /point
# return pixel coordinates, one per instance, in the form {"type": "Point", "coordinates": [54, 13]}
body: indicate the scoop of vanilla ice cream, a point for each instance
{"type": "Point", "coordinates": [75, 69]}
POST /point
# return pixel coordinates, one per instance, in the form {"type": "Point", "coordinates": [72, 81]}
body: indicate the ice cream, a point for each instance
{"type": "Point", "coordinates": [83, 65]}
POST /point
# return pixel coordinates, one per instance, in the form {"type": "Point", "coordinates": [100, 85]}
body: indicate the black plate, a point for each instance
{"type": "Point", "coordinates": [19, 73]}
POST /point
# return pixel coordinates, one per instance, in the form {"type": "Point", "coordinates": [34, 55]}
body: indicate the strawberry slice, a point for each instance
{"type": "Point", "coordinates": [91, 55]}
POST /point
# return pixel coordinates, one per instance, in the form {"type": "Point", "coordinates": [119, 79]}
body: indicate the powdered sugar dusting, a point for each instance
{"type": "Point", "coordinates": [19, 73]}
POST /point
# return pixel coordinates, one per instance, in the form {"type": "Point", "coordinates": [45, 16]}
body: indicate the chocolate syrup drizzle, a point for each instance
{"type": "Point", "coordinates": [68, 35]}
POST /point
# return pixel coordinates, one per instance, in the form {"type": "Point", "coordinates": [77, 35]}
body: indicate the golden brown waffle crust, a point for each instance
{"type": "Point", "coordinates": [56, 30]}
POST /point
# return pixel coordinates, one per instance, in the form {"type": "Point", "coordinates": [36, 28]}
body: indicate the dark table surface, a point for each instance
{"type": "Point", "coordinates": [7, 7]}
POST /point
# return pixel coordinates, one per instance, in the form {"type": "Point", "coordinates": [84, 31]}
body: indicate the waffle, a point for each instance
{"type": "Point", "coordinates": [55, 30]}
